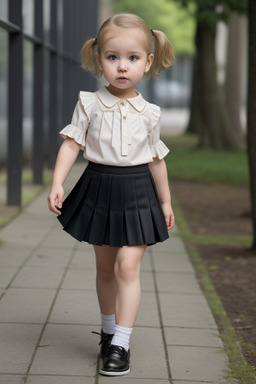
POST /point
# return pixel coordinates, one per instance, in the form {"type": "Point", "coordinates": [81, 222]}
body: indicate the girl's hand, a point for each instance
{"type": "Point", "coordinates": [169, 216]}
{"type": "Point", "coordinates": [55, 198]}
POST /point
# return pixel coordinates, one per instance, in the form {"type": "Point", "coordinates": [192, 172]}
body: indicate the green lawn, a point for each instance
{"type": "Point", "coordinates": [186, 161]}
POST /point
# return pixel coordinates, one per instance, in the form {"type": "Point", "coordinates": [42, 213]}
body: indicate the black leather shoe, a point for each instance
{"type": "Point", "coordinates": [116, 362]}
{"type": "Point", "coordinates": [104, 342]}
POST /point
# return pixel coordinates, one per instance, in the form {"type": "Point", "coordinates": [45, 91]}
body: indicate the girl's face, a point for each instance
{"type": "Point", "coordinates": [124, 59]}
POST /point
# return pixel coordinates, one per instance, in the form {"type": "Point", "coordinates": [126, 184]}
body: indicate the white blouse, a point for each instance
{"type": "Point", "coordinates": [113, 131]}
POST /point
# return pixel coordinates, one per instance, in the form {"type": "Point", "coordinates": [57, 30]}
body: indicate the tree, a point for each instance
{"type": "Point", "coordinates": [177, 22]}
{"type": "Point", "coordinates": [233, 73]}
{"type": "Point", "coordinates": [251, 113]}
{"type": "Point", "coordinates": [209, 115]}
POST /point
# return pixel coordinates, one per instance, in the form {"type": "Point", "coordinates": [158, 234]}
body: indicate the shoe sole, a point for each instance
{"type": "Point", "coordinates": [113, 373]}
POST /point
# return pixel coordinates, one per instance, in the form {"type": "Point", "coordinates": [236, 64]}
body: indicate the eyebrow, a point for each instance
{"type": "Point", "coordinates": [129, 53]}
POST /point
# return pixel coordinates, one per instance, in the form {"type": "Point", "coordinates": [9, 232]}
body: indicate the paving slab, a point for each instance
{"type": "Point", "coordinates": [13, 255]}
{"type": "Point", "coordinates": [59, 238]}
{"type": "Point", "coordinates": [11, 379]}
{"type": "Point", "coordinates": [25, 305]}
{"type": "Point", "coordinates": [16, 347]}
{"type": "Point", "coordinates": [198, 382]}
{"type": "Point", "coordinates": [6, 275]}
{"type": "Point", "coordinates": [36, 379]}
{"type": "Point", "coordinates": [126, 380]}
{"type": "Point", "coordinates": [192, 337]}
{"type": "Point", "coordinates": [148, 313]}
{"type": "Point", "coordinates": [80, 279]}
{"type": "Point", "coordinates": [147, 354]}
{"type": "Point", "coordinates": [76, 307]}
{"type": "Point", "coordinates": [34, 277]}
{"type": "Point", "coordinates": [49, 257]}
{"type": "Point", "coordinates": [66, 350]}
{"type": "Point", "coordinates": [197, 363]}
{"type": "Point", "coordinates": [174, 244]}
{"type": "Point", "coordinates": [172, 262]}
{"type": "Point", "coordinates": [177, 283]}
{"type": "Point", "coordinates": [147, 281]}
{"type": "Point", "coordinates": [182, 310]}
{"type": "Point", "coordinates": [83, 259]}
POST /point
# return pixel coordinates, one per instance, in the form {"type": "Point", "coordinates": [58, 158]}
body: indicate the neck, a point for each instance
{"type": "Point", "coordinates": [122, 93]}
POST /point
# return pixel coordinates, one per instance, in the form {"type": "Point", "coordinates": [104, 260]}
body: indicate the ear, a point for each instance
{"type": "Point", "coordinates": [150, 60]}
{"type": "Point", "coordinates": [98, 59]}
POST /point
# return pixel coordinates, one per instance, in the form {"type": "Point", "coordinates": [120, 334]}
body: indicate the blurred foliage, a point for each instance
{"type": "Point", "coordinates": [213, 11]}
{"type": "Point", "coordinates": [176, 21]}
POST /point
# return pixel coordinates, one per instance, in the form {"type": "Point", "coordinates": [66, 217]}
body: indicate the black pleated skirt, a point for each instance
{"type": "Point", "coordinates": [115, 206]}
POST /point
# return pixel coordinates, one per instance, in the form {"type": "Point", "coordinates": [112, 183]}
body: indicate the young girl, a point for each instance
{"type": "Point", "coordinates": [122, 201]}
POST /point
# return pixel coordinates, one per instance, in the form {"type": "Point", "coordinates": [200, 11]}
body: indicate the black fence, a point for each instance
{"type": "Point", "coordinates": [56, 68]}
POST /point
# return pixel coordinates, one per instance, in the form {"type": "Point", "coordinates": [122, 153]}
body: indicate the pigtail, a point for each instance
{"type": "Point", "coordinates": [89, 62]}
{"type": "Point", "coordinates": [164, 55]}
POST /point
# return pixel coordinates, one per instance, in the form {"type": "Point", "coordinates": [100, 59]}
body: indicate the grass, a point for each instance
{"type": "Point", "coordinates": [188, 162]}
{"type": "Point", "coordinates": [239, 369]}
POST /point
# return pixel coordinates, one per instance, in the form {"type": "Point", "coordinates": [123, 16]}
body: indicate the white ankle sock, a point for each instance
{"type": "Point", "coordinates": [108, 323]}
{"type": "Point", "coordinates": [122, 337]}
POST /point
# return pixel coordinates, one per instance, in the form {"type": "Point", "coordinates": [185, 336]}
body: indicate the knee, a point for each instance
{"type": "Point", "coordinates": [105, 274]}
{"type": "Point", "coordinates": [126, 270]}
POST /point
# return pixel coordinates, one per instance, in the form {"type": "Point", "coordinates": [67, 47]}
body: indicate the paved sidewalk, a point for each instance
{"type": "Point", "coordinates": [48, 309]}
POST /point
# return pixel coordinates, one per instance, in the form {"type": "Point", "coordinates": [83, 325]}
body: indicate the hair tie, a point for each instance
{"type": "Point", "coordinates": [152, 32]}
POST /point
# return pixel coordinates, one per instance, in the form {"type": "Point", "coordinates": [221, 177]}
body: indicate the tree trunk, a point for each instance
{"type": "Point", "coordinates": [233, 75]}
{"type": "Point", "coordinates": [195, 122]}
{"type": "Point", "coordinates": [217, 132]}
{"type": "Point", "coordinates": [251, 113]}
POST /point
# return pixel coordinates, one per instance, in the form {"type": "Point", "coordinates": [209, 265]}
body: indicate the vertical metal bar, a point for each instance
{"type": "Point", "coordinates": [91, 17]}
{"type": "Point", "coordinates": [37, 149]}
{"type": "Point", "coordinates": [66, 65]}
{"type": "Point", "coordinates": [53, 137]}
{"type": "Point", "coordinates": [15, 106]}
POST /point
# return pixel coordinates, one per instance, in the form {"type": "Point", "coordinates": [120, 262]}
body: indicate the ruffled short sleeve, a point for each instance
{"type": "Point", "coordinates": [80, 122]}
{"type": "Point", "coordinates": [157, 147]}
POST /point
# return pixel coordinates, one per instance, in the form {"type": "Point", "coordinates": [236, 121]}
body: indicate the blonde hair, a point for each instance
{"type": "Point", "coordinates": [157, 43]}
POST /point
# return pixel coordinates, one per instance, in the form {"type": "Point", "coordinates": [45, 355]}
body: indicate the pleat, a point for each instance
{"type": "Point", "coordinates": [158, 218]}
{"type": "Point", "coordinates": [144, 210]}
{"type": "Point", "coordinates": [116, 208]}
{"type": "Point", "coordinates": [74, 198]}
{"type": "Point", "coordinates": [80, 219]}
{"type": "Point", "coordinates": [132, 219]}
{"type": "Point", "coordinates": [98, 225]}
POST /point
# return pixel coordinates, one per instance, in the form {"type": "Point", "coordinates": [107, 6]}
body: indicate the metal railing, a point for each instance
{"type": "Point", "coordinates": [79, 23]}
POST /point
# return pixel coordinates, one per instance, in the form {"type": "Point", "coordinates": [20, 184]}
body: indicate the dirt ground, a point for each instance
{"type": "Point", "coordinates": [225, 210]}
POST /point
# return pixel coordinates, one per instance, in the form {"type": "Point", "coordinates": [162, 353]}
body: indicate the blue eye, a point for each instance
{"type": "Point", "coordinates": [133, 58]}
{"type": "Point", "coordinates": [112, 57]}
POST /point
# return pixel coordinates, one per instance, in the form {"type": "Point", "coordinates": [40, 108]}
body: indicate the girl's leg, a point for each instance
{"type": "Point", "coordinates": [106, 291]}
{"type": "Point", "coordinates": [105, 278]}
{"type": "Point", "coordinates": [127, 273]}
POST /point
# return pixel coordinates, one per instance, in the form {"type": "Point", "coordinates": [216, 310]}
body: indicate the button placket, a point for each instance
{"type": "Point", "coordinates": [124, 129]}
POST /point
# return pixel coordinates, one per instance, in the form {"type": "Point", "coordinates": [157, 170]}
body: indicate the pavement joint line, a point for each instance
{"type": "Point", "coordinates": [24, 262]}
{"type": "Point", "coordinates": [160, 316]}
{"type": "Point", "coordinates": [196, 346]}
{"type": "Point", "coordinates": [24, 380]}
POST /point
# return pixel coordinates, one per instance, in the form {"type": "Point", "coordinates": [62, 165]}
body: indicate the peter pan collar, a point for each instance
{"type": "Point", "coordinates": [109, 100]}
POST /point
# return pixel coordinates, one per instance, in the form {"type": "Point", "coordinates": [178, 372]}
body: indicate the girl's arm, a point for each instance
{"type": "Point", "coordinates": [65, 160]}
{"type": "Point", "coordinates": [159, 173]}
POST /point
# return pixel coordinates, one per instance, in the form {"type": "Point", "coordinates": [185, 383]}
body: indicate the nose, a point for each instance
{"type": "Point", "coordinates": [122, 66]}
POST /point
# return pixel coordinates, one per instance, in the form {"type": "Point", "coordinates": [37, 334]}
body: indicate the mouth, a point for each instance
{"type": "Point", "coordinates": [122, 78]}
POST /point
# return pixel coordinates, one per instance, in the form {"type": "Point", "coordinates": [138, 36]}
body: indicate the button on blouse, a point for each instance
{"type": "Point", "coordinates": [114, 131]}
